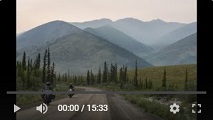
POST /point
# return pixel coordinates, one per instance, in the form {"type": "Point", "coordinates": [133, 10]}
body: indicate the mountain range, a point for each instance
{"type": "Point", "coordinates": [77, 51]}
{"type": "Point", "coordinates": [121, 39]}
{"type": "Point", "coordinates": [82, 46]}
{"type": "Point", "coordinates": [46, 33]}
{"type": "Point", "coordinates": [176, 35]}
{"type": "Point", "coordinates": [183, 51]}
{"type": "Point", "coordinates": [145, 32]}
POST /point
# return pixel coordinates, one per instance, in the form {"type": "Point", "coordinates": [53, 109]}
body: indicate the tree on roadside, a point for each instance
{"type": "Point", "coordinates": [186, 86]}
{"type": "Point", "coordinates": [88, 78]}
{"type": "Point", "coordinates": [146, 83]}
{"type": "Point", "coordinates": [52, 74]}
{"type": "Point", "coordinates": [92, 78]}
{"type": "Point", "coordinates": [105, 72]}
{"type": "Point", "coordinates": [135, 80]}
{"type": "Point", "coordinates": [121, 78]}
{"type": "Point", "coordinates": [164, 79]}
{"type": "Point", "coordinates": [24, 63]}
{"type": "Point", "coordinates": [44, 67]}
{"type": "Point", "coordinates": [99, 76]}
{"type": "Point", "coordinates": [48, 66]}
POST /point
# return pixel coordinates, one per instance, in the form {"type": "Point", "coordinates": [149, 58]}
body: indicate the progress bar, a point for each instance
{"type": "Point", "coordinates": [108, 92]}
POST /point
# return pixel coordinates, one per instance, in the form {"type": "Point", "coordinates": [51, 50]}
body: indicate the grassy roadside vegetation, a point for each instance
{"type": "Point", "coordinates": [23, 100]}
{"type": "Point", "coordinates": [160, 104]}
{"type": "Point", "coordinates": [175, 78]}
{"type": "Point", "coordinates": [31, 76]}
{"type": "Point", "coordinates": [175, 75]}
{"type": "Point", "coordinates": [162, 109]}
{"type": "Point", "coordinates": [176, 81]}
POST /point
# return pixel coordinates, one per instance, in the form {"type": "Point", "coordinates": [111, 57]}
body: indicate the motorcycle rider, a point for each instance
{"type": "Point", "coordinates": [47, 86]}
{"type": "Point", "coordinates": [71, 86]}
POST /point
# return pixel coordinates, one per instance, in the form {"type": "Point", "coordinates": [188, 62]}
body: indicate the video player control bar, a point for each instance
{"type": "Point", "coordinates": [109, 92]}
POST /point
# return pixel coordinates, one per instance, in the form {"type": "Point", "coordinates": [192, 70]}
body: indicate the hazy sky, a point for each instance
{"type": "Point", "coordinates": [31, 13]}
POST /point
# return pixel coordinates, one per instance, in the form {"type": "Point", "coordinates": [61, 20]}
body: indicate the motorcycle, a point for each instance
{"type": "Point", "coordinates": [70, 95]}
{"type": "Point", "coordinates": [47, 97]}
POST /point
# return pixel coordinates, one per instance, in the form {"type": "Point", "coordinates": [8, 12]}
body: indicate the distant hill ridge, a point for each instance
{"type": "Point", "coordinates": [121, 39]}
{"type": "Point", "coordinates": [146, 32]}
{"type": "Point", "coordinates": [154, 42]}
{"type": "Point", "coordinates": [181, 52]}
{"type": "Point", "coordinates": [74, 49]}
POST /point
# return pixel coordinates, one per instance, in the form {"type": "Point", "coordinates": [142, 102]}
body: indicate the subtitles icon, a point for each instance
{"type": "Point", "coordinates": [42, 108]}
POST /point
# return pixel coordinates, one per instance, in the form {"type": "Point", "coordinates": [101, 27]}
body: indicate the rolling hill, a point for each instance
{"type": "Point", "coordinates": [44, 34]}
{"type": "Point", "coordinates": [119, 38]}
{"type": "Point", "coordinates": [145, 32]}
{"type": "Point", "coordinates": [83, 51]}
{"type": "Point", "coordinates": [175, 35]}
{"type": "Point", "coordinates": [93, 23]}
{"type": "Point", "coordinates": [40, 36]}
{"type": "Point", "coordinates": [183, 51]}
{"type": "Point", "coordinates": [78, 51]}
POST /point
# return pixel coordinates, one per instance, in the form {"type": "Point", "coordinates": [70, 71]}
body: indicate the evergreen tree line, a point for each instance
{"type": "Point", "coordinates": [119, 76]}
{"type": "Point", "coordinates": [112, 74]}
{"type": "Point", "coordinates": [187, 85]}
{"type": "Point", "coordinates": [28, 73]}
{"type": "Point", "coordinates": [32, 74]}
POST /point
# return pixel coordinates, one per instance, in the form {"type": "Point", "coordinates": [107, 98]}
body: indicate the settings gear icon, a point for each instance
{"type": "Point", "coordinates": [174, 108]}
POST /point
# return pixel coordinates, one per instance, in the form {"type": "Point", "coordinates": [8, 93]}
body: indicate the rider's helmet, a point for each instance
{"type": "Point", "coordinates": [48, 83]}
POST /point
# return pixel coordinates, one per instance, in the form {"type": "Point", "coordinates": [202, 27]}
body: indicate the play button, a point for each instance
{"type": "Point", "coordinates": [16, 108]}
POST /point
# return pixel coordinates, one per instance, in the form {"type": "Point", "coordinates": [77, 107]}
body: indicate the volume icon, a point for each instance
{"type": "Point", "coordinates": [42, 108]}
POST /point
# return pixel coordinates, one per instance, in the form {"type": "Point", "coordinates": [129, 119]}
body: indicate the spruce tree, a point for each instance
{"type": "Point", "coordinates": [92, 79]}
{"type": "Point", "coordinates": [31, 64]}
{"type": "Point", "coordinates": [136, 76]}
{"type": "Point", "coordinates": [116, 73]}
{"type": "Point", "coordinates": [52, 75]}
{"type": "Point", "coordinates": [150, 85]}
{"type": "Point", "coordinates": [99, 76]}
{"type": "Point", "coordinates": [164, 79]}
{"type": "Point", "coordinates": [59, 77]}
{"type": "Point", "coordinates": [36, 65]}
{"type": "Point", "coordinates": [24, 61]}
{"type": "Point", "coordinates": [186, 80]}
{"type": "Point", "coordinates": [44, 67]}
{"type": "Point", "coordinates": [111, 73]}
{"type": "Point", "coordinates": [121, 78]}
{"type": "Point", "coordinates": [65, 77]}
{"type": "Point", "coordinates": [105, 73]}
{"type": "Point", "coordinates": [38, 60]}
{"type": "Point", "coordinates": [28, 74]}
{"type": "Point", "coordinates": [68, 74]}
{"type": "Point", "coordinates": [75, 80]}
{"type": "Point", "coordinates": [140, 84]}
{"type": "Point", "coordinates": [88, 78]}
{"type": "Point", "coordinates": [48, 65]}
{"type": "Point", "coordinates": [125, 77]}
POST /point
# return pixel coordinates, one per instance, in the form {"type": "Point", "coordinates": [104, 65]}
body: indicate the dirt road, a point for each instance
{"type": "Point", "coordinates": [119, 109]}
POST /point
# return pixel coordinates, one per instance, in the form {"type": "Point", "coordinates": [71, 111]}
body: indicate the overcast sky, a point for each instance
{"type": "Point", "coordinates": [31, 13]}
